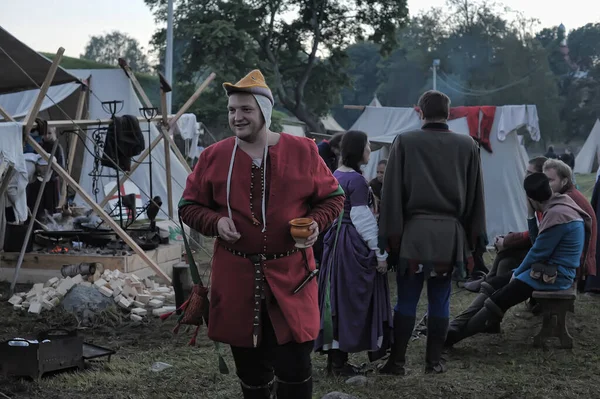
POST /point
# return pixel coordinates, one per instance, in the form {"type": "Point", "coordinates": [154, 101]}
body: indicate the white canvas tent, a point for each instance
{"type": "Point", "coordinates": [294, 126]}
{"type": "Point", "coordinates": [588, 159]}
{"type": "Point", "coordinates": [503, 170]}
{"type": "Point", "coordinates": [331, 124]}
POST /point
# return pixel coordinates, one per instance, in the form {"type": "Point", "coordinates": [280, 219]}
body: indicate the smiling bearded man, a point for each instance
{"type": "Point", "coordinates": [244, 190]}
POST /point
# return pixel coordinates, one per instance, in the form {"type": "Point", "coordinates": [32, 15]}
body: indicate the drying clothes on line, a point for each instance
{"type": "Point", "coordinates": [515, 116]}
{"type": "Point", "coordinates": [11, 149]}
{"type": "Point", "coordinates": [480, 121]}
{"type": "Point", "coordinates": [187, 127]}
{"type": "Point", "coordinates": [533, 122]}
{"type": "Point", "coordinates": [125, 134]}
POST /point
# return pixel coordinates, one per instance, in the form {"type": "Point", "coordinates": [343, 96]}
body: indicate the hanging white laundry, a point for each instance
{"type": "Point", "coordinates": [188, 129]}
{"type": "Point", "coordinates": [187, 126]}
{"type": "Point", "coordinates": [533, 122]}
{"type": "Point", "coordinates": [11, 149]}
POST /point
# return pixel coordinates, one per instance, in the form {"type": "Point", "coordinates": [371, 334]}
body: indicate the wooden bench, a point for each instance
{"type": "Point", "coordinates": [554, 307]}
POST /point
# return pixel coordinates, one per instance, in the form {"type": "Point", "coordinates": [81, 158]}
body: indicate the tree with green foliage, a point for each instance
{"type": "Point", "coordinates": [108, 48]}
{"type": "Point", "coordinates": [487, 58]}
{"type": "Point", "coordinates": [299, 45]}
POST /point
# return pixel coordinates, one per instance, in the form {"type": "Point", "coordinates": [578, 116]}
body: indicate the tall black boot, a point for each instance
{"type": "Point", "coordinates": [258, 392]}
{"type": "Point", "coordinates": [403, 329]}
{"type": "Point", "coordinates": [437, 328]}
{"type": "Point", "coordinates": [489, 315]}
{"type": "Point", "coordinates": [295, 390]}
{"type": "Point", "coordinates": [337, 364]}
{"type": "Point", "coordinates": [457, 326]}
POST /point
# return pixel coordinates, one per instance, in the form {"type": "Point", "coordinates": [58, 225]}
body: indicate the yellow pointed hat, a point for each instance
{"type": "Point", "coordinates": [253, 83]}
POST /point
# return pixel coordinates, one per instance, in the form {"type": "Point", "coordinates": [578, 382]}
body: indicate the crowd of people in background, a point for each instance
{"type": "Point", "coordinates": [423, 215]}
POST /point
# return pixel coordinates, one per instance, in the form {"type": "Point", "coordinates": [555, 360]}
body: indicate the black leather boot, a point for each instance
{"type": "Point", "coordinates": [295, 390]}
{"type": "Point", "coordinates": [403, 329]}
{"type": "Point", "coordinates": [258, 392]}
{"type": "Point", "coordinates": [457, 326]}
{"type": "Point", "coordinates": [437, 328]}
{"type": "Point", "coordinates": [337, 364]}
{"type": "Point", "coordinates": [489, 315]}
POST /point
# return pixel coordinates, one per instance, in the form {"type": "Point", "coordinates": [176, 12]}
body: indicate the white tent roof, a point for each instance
{"type": "Point", "coordinates": [589, 155]}
{"type": "Point", "coordinates": [294, 130]}
{"type": "Point", "coordinates": [375, 102]}
{"type": "Point", "coordinates": [330, 123]}
{"type": "Point", "coordinates": [18, 104]}
{"type": "Point", "coordinates": [503, 170]}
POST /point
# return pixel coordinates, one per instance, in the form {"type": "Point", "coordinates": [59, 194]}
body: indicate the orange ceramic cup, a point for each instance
{"type": "Point", "coordinates": [300, 231]}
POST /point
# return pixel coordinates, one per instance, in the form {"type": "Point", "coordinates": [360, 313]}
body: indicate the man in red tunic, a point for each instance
{"type": "Point", "coordinates": [244, 190]}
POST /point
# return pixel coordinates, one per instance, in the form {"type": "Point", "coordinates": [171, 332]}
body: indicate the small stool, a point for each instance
{"type": "Point", "coordinates": [555, 305]}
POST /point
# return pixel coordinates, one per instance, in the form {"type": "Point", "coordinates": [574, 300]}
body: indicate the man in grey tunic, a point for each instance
{"type": "Point", "coordinates": [433, 217]}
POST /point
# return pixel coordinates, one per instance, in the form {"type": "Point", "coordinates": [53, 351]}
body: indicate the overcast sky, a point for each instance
{"type": "Point", "coordinates": [47, 25]}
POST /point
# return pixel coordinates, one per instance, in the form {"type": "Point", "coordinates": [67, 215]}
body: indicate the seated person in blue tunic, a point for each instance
{"type": "Point", "coordinates": [551, 263]}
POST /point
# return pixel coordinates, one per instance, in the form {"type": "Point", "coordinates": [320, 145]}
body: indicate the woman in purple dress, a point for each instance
{"type": "Point", "coordinates": [354, 297]}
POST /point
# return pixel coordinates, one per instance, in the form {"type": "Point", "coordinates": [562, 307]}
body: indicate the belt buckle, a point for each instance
{"type": "Point", "coordinates": [262, 257]}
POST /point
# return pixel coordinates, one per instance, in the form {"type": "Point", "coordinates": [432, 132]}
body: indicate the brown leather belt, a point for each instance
{"type": "Point", "coordinates": [259, 279]}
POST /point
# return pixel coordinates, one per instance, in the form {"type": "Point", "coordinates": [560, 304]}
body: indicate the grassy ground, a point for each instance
{"type": "Point", "coordinates": [490, 366]}
{"type": "Point", "coordinates": [586, 183]}
{"type": "Point", "coordinates": [501, 366]}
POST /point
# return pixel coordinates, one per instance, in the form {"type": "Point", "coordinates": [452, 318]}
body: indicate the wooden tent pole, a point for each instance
{"type": "Point", "coordinates": [72, 146]}
{"type": "Point", "coordinates": [33, 111]}
{"type": "Point", "coordinates": [355, 107]}
{"type": "Point", "coordinates": [169, 181]}
{"type": "Point", "coordinates": [4, 114]}
{"type": "Point", "coordinates": [192, 99]}
{"type": "Point", "coordinates": [144, 154]}
{"type": "Point", "coordinates": [148, 103]}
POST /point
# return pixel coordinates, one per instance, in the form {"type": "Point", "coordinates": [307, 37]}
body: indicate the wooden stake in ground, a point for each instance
{"type": "Point", "coordinates": [145, 153]}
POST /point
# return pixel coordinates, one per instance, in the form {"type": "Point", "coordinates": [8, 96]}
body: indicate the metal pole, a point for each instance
{"type": "Point", "coordinates": [169, 53]}
{"type": "Point", "coordinates": [32, 220]}
{"type": "Point", "coordinates": [435, 65]}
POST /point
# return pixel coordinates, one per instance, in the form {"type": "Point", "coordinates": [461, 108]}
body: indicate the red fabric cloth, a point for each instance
{"type": "Point", "coordinates": [299, 184]}
{"type": "Point", "coordinates": [520, 240]}
{"type": "Point", "coordinates": [590, 256]}
{"type": "Point", "coordinates": [479, 130]}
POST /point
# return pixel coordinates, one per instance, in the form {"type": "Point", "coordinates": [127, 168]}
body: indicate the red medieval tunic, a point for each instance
{"type": "Point", "coordinates": [297, 184]}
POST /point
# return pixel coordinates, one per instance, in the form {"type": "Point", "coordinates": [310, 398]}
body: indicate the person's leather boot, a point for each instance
{"type": "Point", "coordinates": [258, 392]}
{"type": "Point", "coordinates": [295, 390]}
{"type": "Point", "coordinates": [337, 364]}
{"type": "Point", "coordinates": [489, 315]}
{"type": "Point", "coordinates": [457, 326]}
{"type": "Point", "coordinates": [437, 328]}
{"type": "Point", "coordinates": [403, 329]}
